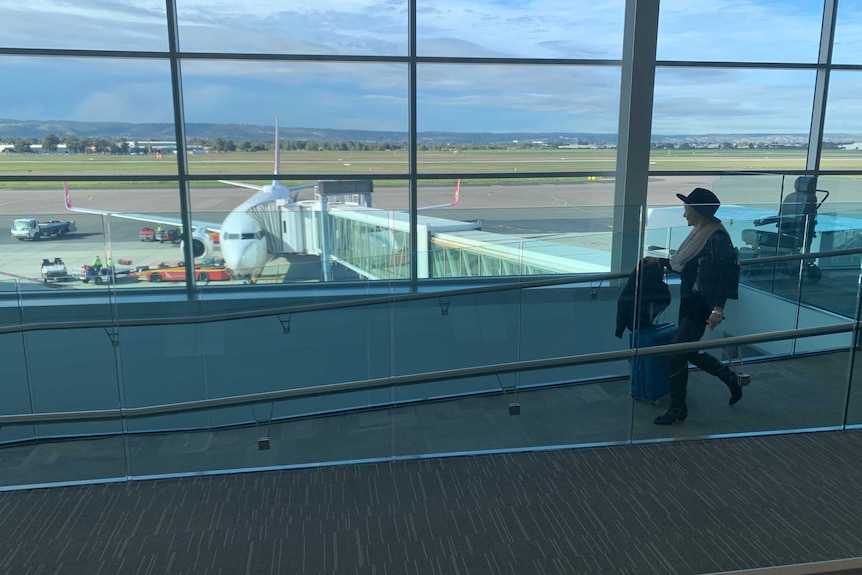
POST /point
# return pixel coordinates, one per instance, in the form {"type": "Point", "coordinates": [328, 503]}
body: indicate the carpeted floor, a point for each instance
{"type": "Point", "coordinates": [664, 508]}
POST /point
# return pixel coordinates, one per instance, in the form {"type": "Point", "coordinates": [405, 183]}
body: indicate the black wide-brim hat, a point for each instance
{"type": "Point", "coordinates": [703, 201]}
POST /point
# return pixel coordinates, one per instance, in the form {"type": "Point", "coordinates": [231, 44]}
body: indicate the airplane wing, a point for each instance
{"type": "Point", "coordinates": [242, 185]}
{"type": "Point", "coordinates": [165, 220]}
{"type": "Point", "coordinates": [452, 203]}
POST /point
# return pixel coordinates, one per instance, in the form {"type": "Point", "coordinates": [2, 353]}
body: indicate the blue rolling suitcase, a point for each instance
{"type": "Point", "coordinates": [650, 375]}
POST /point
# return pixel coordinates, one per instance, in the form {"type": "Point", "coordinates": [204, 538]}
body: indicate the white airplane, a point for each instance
{"type": "Point", "coordinates": [242, 239]}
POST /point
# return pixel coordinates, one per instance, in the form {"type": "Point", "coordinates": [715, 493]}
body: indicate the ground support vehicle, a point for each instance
{"type": "Point", "coordinates": [104, 274]}
{"type": "Point", "coordinates": [54, 270]}
{"type": "Point", "coordinates": [161, 236]}
{"type": "Point", "coordinates": [33, 229]}
{"type": "Point", "coordinates": [172, 236]}
{"type": "Point", "coordinates": [176, 272]}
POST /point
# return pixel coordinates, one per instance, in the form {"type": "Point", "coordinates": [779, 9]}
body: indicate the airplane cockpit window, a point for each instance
{"type": "Point", "coordinates": [249, 236]}
{"type": "Point", "coordinates": [230, 236]}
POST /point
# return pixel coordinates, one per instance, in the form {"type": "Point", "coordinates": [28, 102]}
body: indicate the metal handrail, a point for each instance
{"type": "Point", "coordinates": [388, 299]}
{"type": "Point", "coordinates": [399, 380]}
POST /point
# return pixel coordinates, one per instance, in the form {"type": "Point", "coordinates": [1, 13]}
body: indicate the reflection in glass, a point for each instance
{"type": "Point", "coordinates": [735, 31]}
{"type": "Point", "coordinates": [517, 118]}
{"type": "Point", "coordinates": [543, 29]}
{"type": "Point", "coordinates": [85, 25]}
{"type": "Point", "coordinates": [722, 119]}
{"type": "Point", "coordinates": [322, 27]}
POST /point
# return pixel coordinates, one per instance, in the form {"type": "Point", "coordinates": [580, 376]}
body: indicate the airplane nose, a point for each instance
{"type": "Point", "coordinates": [247, 257]}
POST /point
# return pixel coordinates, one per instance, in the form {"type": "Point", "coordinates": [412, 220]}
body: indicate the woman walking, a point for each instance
{"type": "Point", "coordinates": [708, 266]}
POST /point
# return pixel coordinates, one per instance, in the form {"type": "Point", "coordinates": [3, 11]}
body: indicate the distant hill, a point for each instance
{"type": "Point", "coordinates": [252, 133]}
{"type": "Point", "coordinates": [248, 132]}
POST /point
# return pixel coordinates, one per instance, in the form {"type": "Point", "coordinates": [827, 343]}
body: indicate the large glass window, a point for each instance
{"type": "Point", "coordinates": [367, 27]}
{"type": "Point", "coordinates": [731, 119]}
{"type": "Point", "coordinates": [538, 29]}
{"type": "Point", "coordinates": [333, 117]}
{"type": "Point", "coordinates": [740, 31]}
{"type": "Point", "coordinates": [499, 118]}
{"type": "Point", "coordinates": [84, 25]}
{"type": "Point", "coordinates": [843, 126]}
{"type": "Point", "coordinates": [848, 33]}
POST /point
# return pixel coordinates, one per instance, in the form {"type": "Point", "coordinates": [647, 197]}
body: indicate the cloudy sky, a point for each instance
{"type": "Point", "coordinates": [451, 97]}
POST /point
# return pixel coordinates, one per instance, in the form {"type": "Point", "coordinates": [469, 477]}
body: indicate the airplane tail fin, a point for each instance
{"type": "Point", "coordinates": [67, 198]}
{"type": "Point", "coordinates": [450, 204]}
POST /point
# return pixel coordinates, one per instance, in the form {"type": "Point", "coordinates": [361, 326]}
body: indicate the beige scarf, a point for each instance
{"type": "Point", "coordinates": [693, 243]}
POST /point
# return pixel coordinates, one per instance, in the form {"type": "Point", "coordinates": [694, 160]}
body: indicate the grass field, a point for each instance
{"type": "Point", "coordinates": [579, 163]}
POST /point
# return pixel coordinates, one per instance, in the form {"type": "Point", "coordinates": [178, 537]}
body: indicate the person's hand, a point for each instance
{"type": "Point", "coordinates": [716, 316]}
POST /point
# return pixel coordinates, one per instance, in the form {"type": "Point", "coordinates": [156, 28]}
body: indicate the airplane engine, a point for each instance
{"type": "Point", "coordinates": [202, 244]}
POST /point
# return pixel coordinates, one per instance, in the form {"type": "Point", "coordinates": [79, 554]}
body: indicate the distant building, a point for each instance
{"type": "Point", "coordinates": [37, 149]}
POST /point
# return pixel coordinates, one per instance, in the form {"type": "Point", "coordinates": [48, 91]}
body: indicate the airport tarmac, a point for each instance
{"type": "Point", "coordinates": [581, 212]}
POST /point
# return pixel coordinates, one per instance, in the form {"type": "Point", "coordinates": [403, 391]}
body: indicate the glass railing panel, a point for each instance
{"type": "Point", "coordinates": [458, 332]}
{"type": "Point", "coordinates": [252, 356]}
{"type": "Point", "coordinates": [786, 394]}
{"type": "Point", "coordinates": [163, 365]}
{"type": "Point", "coordinates": [854, 396]}
{"type": "Point", "coordinates": [70, 370]}
{"type": "Point", "coordinates": [515, 410]}
{"type": "Point", "coordinates": [260, 442]}
{"type": "Point", "coordinates": [774, 296]}
{"type": "Point", "coordinates": [60, 371]}
{"type": "Point", "coordinates": [78, 457]}
{"type": "Point", "coordinates": [17, 391]}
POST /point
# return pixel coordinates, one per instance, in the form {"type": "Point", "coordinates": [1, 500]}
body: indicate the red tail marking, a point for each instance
{"type": "Point", "coordinates": [67, 198]}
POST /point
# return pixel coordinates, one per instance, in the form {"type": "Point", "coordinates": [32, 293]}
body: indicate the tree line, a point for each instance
{"type": "Point", "coordinates": [121, 146]}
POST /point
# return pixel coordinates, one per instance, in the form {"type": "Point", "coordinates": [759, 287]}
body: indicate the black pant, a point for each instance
{"type": "Point", "coordinates": [693, 315]}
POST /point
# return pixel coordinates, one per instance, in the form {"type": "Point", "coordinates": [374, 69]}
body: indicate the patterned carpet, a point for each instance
{"type": "Point", "coordinates": [662, 508]}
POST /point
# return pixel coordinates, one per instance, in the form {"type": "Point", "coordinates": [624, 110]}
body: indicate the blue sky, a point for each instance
{"type": "Point", "coordinates": [467, 98]}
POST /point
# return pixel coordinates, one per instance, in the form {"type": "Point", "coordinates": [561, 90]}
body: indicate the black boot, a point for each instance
{"type": "Point", "coordinates": [673, 413]}
{"type": "Point", "coordinates": [729, 377]}
{"type": "Point", "coordinates": [676, 411]}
